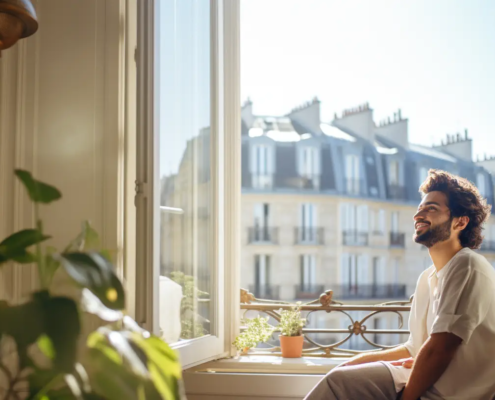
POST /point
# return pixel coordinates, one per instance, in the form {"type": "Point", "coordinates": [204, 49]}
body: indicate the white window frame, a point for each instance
{"type": "Point", "coordinates": [308, 270]}
{"type": "Point", "coordinates": [225, 126]}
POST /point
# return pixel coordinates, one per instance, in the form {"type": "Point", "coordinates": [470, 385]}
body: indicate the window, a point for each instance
{"type": "Point", "coordinates": [262, 287]}
{"type": "Point", "coordinates": [261, 229]}
{"type": "Point", "coordinates": [352, 181]}
{"type": "Point", "coordinates": [379, 275]}
{"type": "Point", "coordinates": [354, 273]}
{"type": "Point", "coordinates": [481, 183]}
{"type": "Point", "coordinates": [394, 222]}
{"type": "Point", "coordinates": [307, 223]}
{"type": "Point", "coordinates": [262, 161]}
{"type": "Point", "coordinates": [393, 178]}
{"type": "Point", "coordinates": [309, 162]}
{"type": "Point", "coordinates": [354, 224]}
{"type": "Point", "coordinates": [308, 272]}
{"type": "Point", "coordinates": [187, 169]}
{"type": "Point", "coordinates": [423, 174]}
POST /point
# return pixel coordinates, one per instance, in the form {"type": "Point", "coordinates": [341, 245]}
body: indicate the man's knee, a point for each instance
{"type": "Point", "coordinates": [337, 376]}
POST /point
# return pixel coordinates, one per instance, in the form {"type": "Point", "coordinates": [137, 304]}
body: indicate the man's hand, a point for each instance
{"type": "Point", "coordinates": [397, 353]}
{"type": "Point", "coordinates": [405, 362]}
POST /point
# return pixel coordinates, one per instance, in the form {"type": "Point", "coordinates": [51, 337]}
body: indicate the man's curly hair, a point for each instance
{"type": "Point", "coordinates": [464, 199]}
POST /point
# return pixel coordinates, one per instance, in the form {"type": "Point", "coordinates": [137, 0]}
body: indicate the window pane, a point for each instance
{"type": "Point", "coordinates": [185, 169]}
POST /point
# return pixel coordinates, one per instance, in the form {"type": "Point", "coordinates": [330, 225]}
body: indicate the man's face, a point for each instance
{"type": "Point", "coordinates": [432, 222]}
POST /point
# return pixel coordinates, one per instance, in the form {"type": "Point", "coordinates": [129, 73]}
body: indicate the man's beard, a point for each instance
{"type": "Point", "coordinates": [434, 235]}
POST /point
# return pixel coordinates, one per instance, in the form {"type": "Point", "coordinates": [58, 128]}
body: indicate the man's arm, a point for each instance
{"type": "Point", "coordinates": [396, 353]}
{"type": "Point", "coordinates": [430, 364]}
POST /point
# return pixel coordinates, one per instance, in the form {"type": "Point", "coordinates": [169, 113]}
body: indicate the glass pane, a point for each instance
{"type": "Point", "coordinates": [185, 169]}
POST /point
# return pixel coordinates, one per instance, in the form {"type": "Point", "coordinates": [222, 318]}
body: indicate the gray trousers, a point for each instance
{"type": "Point", "coordinates": [371, 381]}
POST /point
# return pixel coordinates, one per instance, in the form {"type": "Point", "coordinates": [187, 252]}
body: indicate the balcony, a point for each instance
{"type": "Point", "coordinates": [354, 326]}
{"type": "Point", "coordinates": [305, 291]}
{"type": "Point", "coordinates": [354, 238]}
{"type": "Point", "coordinates": [396, 192]}
{"type": "Point", "coordinates": [262, 180]}
{"type": "Point", "coordinates": [370, 291]}
{"type": "Point", "coordinates": [262, 235]}
{"type": "Point", "coordinates": [397, 239]}
{"type": "Point", "coordinates": [488, 246]}
{"type": "Point", "coordinates": [309, 236]}
{"type": "Point", "coordinates": [271, 292]}
{"type": "Point", "coordinates": [353, 186]}
{"type": "Point", "coordinates": [310, 182]}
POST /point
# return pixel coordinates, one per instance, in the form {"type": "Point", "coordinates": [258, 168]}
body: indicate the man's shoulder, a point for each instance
{"type": "Point", "coordinates": [469, 261]}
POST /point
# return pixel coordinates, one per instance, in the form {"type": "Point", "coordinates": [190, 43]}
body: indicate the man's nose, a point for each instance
{"type": "Point", "coordinates": [418, 216]}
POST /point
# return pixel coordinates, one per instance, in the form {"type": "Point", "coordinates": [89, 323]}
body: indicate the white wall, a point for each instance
{"type": "Point", "coordinates": [62, 117]}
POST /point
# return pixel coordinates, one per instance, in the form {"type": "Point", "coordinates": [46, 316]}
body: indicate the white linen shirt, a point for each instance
{"type": "Point", "coordinates": [463, 296]}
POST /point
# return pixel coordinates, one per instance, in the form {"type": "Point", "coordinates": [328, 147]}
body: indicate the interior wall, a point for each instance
{"type": "Point", "coordinates": [62, 103]}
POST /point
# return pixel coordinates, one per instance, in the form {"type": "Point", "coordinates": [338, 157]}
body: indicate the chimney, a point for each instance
{"type": "Point", "coordinates": [308, 115]}
{"type": "Point", "coordinates": [247, 112]}
{"type": "Point", "coordinates": [458, 147]}
{"type": "Point", "coordinates": [358, 120]}
{"type": "Point", "coordinates": [396, 131]}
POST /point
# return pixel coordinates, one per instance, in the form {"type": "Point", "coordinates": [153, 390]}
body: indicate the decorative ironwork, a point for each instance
{"type": "Point", "coordinates": [326, 303]}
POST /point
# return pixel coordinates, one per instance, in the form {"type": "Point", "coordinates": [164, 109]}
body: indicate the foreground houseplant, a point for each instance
{"type": "Point", "coordinates": [39, 354]}
{"type": "Point", "coordinates": [291, 337]}
{"type": "Point", "coordinates": [258, 330]}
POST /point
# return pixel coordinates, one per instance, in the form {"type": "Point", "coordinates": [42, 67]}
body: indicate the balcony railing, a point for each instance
{"type": "Point", "coordinates": [310, 181]}
{"type": "Point", "coordinates": [396, 192]}
{"type": "Point", "coordinates": [370, 291]}
{"type": "Point", "coordinates": [305, 291]}
{"type": "Point", "coordinates": [262, 180]}
{"type": "Point", "coordinates": [326, 304]}
{"type": "Point", "coordinates": [271, 292]}
{"type": "Point", "coordinates": [309, 236]}
{"type": "Point", "coordinates": [354, 186]}
{"type": "Point", "coordinates": [397, 239]}
{"type": "Point", "coordinates": [354, 238]}
{"type": "Point", "coordinates": [263, 235]}
{"type": "Point", "coordinates": [488, 245]}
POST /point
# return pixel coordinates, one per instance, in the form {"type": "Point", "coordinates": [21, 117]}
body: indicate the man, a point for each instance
{"type": "Point", "coordinates": [450, 353]}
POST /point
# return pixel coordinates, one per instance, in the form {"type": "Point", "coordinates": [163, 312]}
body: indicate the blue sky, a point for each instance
{"type": "Point", "coordinates": [433, 59]}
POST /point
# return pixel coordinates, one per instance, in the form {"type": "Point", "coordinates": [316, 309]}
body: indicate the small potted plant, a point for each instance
{"type": "Point", "coordinates": [258, 330]}
{"type": "Point", "coordinates": [291, 337]}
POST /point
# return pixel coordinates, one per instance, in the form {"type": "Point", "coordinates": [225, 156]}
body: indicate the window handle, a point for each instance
{"type": "Point", "coordinates": [171, 210]}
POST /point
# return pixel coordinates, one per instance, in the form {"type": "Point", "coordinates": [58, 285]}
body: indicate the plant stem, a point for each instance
{"type": "Point", "coordinates": [39, 255]}
{"type": "Point", "coordinates": [44, 390]}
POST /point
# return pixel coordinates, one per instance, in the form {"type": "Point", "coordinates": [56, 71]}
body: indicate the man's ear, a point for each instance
{"type": "Point", "coordinates": [461, 223]}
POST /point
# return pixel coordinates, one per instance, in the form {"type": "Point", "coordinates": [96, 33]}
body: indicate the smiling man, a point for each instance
{"type": "Point", "coordinates": [450, 354]}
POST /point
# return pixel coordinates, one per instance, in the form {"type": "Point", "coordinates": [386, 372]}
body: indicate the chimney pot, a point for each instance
{"type": "Point", "coordinates": [466, 134]}
{"type": "Point", "coordinates": [458, 137]}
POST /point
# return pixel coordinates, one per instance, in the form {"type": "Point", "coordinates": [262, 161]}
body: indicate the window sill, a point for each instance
{"type": "Point", "coordinates": [261, 364]}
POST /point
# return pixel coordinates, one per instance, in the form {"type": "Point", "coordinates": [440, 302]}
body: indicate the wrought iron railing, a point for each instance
{"type": "Point", "coordinates": [309, 236]}
{"type": "Point", "coordinates": [396, 192]}
{"type": "Point", "coordinates": [262, 235]}
{"type": "Point", "coordinates": [370, 291]}
{"type": "Point", "coordinates": [326, 304]}
{"type": "Point", "coordinates": [354, 238]}
{"type": "Point", "coordinates": [310, 181]}
{"type": "Point", "coordinates": [397, 239]}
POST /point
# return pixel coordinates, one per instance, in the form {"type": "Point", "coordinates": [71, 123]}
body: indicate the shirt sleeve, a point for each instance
{"type": "Point", "coordinates": [464, 302]}
{"type": "Point", "coordinates": [417, 324]}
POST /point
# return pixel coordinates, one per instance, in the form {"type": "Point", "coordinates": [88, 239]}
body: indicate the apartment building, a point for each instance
{"type": "Point", "coordinates": [330, 205]}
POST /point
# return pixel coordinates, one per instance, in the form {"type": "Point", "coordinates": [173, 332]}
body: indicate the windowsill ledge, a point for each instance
{"type": "Point", "coordinates": [261, 364]}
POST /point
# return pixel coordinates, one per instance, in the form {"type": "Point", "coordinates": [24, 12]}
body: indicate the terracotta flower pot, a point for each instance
{"type": "Point", "coordinates": [291, 346]}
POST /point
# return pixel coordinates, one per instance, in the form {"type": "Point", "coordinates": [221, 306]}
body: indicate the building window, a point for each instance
{"type": "Point", "coordinates": [307, 232]}
{"type": "Point", "coordinates": [308, 272]}
{"type": "Point", "coordinates": [309, 166]}
{"type": "Point", "coordinates": [262, 166]}
{"type": "Point", "coordinates": [261, 229]}
{"type": "Point", "coordinates": [393, 177]}
{"type": "Point", "coordinates": [377, 221]}
{"type": "Point", "coordinates": [423, 174]}
{"type": "Point", "coordinates": [262, 287]}
{"type": "Point", "coordinates": [481, 183]}
{"type": "Point", "coordinates": [355, 277]}
{"type": "Point", "coordinates": [352, 175]}
{"type": "Point", "coordinates": [394, 222]}
{"type": "Point", "coordinates": [379, 275]}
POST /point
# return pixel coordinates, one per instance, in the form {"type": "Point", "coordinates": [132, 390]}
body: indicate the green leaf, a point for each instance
{"type": "Point", "coordinates": [14, 247]}
{"type": "Point", "coordinates": [88, 239]}
{"type": "Point", "coordinates": [46, 346]}
{"type": "Point", "coordinates": [63, 327]}
{"type": "Point", "coordinates": [38, 191]}
{"type": "Point", "coordinates": [95, 272]}
{"type": "Point", "coordinates": [51, 264]}
{"type": "Point", "coordinates": [93, 305]}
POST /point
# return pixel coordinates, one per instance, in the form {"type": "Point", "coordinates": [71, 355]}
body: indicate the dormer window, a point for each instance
{"type": "Point", "coordinates": [309, 166]}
